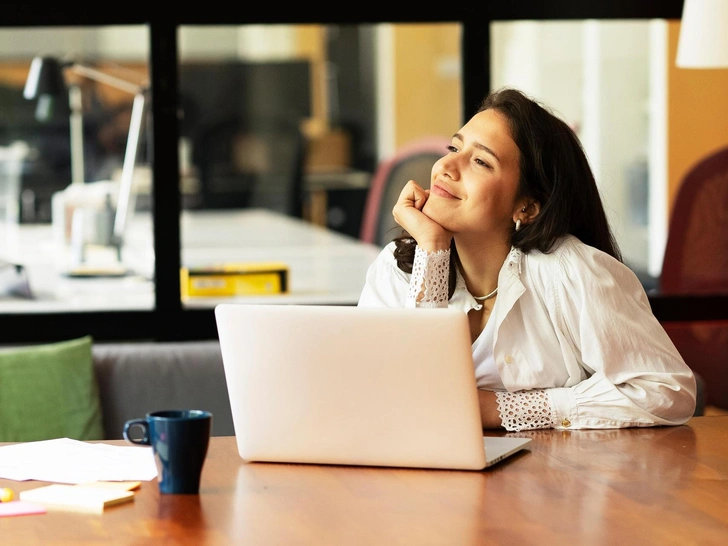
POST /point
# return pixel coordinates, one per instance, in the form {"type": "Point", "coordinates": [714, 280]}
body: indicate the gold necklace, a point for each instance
{"type": "Point", "coordinates": [487, 296]}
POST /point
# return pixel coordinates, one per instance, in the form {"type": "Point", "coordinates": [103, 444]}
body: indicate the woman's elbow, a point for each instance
{"type": "Point", "coordinates": [680, 400]}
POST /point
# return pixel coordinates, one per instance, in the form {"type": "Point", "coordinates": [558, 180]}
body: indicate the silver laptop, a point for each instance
{"type": "Point", "coordinates": [348, 385]}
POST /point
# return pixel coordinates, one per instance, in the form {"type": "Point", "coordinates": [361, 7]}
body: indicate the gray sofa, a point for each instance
{"type": "Point", "coordinates": [138, 377]}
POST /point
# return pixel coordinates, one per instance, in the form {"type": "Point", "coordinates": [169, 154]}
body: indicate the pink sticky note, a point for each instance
{"type": "Point", "coordinates": [20, 508]}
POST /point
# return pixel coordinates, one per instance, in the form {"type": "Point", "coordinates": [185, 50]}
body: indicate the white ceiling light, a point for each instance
{"type": "Point", "coordinates": [703, 41]}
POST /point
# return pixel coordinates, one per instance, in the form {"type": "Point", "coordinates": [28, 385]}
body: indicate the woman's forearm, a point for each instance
{"type": "Point", "coordinates": [489, 415]}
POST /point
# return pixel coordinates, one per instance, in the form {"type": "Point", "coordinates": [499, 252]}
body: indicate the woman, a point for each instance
{"type": "Point", "coordinates": [513, 232]}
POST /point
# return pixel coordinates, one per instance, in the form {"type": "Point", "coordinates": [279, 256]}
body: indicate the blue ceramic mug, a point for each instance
{"type": "Point", "coordinates": [179, 440]}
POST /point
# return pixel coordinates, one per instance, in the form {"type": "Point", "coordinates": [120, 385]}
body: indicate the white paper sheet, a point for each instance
{"type": "Point", "coordinates": [71, 461]}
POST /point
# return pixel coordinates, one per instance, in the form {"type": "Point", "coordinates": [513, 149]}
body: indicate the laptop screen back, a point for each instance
{"type": "Point", "coordinates": [351, 385]}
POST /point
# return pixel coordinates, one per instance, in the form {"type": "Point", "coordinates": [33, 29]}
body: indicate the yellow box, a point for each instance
{"type": "Point", "coordinates": [237, 279]}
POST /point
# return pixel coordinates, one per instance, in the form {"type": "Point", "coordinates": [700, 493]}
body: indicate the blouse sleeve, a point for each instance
{"type": "Point", "coordinates": [524, 410]}
{"type": "Point", "coordinates": [428, 284]}
{"type": "Point", "coordinates": [388, 286]}
{"type": "Point", "coordinates": [634, 374]}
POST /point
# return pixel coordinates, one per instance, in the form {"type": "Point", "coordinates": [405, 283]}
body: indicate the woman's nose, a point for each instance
{"type": "Point", "coordinates": [446, 166]}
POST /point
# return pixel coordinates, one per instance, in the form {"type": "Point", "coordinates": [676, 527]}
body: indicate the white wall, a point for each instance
{"type": "Point", "coordinates": [109, 42]}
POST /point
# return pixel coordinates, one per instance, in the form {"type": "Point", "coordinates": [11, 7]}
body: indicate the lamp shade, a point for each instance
{"type": "Point", "coordinates": [46, 84]}
{"type": "Point", "coordinates": [703, 39]}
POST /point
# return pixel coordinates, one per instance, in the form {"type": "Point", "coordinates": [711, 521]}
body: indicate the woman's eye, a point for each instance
{"type": "Point", "coordinates": [452, 148]}
{"type": "Point", "coordinates": [483, 163]}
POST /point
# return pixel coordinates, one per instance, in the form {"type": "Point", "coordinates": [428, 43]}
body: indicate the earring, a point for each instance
{"type": "Point", "coordinates": [518, 224]}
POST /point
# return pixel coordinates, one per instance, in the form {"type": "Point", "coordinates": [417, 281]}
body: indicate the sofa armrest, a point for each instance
{"type": "Point", "coordinates": [140, 377]}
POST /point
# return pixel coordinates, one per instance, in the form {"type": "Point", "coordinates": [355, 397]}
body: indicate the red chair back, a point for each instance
{"type": "Point", "coordinates": [413, 161]}
{"type": "Point", "coordinates": [696, 253]}
{"type": "Point", "coordinates": [696, 262]}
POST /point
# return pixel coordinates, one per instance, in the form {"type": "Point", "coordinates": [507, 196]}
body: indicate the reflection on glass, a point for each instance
{"type": "Point", "coordinates": [282, 127]}
{"type": "Point", "coordinates": [14, 281]}
{"type": "Point", "coordinates": [62, 185]}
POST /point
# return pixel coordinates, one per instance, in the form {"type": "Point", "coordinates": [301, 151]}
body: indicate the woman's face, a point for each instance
{"type": "Point", "coordinates": [474, 187]}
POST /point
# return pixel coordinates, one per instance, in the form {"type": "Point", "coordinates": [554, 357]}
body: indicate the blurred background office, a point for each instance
{"type": "Point", "coordinates": [298, 119]}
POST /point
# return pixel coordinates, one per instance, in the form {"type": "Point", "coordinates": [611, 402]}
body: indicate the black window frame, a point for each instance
{"type": "Point", "coordinates": [169, 320]}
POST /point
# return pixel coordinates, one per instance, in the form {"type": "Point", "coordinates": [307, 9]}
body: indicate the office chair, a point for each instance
{"type": "Point", "coordinates": [696, 262]}
{"type": "Point", "coordinates": [413, 161]}
{"type": "Point", "coordinates": [244, 165]}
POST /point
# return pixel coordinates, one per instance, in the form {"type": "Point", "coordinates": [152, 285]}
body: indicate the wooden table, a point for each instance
{"type": "Point", "coordinates": [631, 486]}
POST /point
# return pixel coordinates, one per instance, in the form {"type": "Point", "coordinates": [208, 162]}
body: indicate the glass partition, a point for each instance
{"type": "Point", "coordinates": [281, 133]}
{"type": "Point", "coordinates": [75, 181]}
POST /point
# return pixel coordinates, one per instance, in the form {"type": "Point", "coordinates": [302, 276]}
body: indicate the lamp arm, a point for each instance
{"type": "Point", "coordinates": [76, 120]}
{"type": "Point", "coordinates": [97, 75]}
{"type": "Point", "coordinates": [126, 194]}
{"type": "Point", "coordinates": [123, 203]}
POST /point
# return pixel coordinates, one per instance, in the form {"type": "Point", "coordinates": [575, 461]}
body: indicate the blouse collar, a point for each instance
{"type": "Point", "coordinates": [462, 299]}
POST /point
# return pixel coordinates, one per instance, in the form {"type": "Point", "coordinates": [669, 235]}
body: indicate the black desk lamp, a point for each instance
{"type": "Point", "coordinates": [46, 83]}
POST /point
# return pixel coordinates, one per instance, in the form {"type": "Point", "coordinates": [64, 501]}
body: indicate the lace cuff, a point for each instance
{"type": "Point", "coordinates": [428, 284]}
{"type": "Point", "coordinates": [524, 410]}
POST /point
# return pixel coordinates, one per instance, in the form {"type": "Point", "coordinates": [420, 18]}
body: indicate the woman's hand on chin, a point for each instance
{"type": "Point", "coordinates": [407, 212]}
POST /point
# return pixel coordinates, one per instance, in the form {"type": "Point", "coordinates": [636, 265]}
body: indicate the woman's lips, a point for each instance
{"type": "Point", "coordinates": [441, 192]}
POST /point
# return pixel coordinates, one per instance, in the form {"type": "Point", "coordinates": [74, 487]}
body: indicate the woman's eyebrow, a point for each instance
{"type": "Point", "coordinates": [479, 146]}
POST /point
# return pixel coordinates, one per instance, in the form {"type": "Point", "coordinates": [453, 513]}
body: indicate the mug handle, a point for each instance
{"type": "Point", "coordinates": [142, 423]}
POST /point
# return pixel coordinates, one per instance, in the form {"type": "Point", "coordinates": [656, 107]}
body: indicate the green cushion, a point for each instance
{"type": "Point", "coordinates": [49, 391]}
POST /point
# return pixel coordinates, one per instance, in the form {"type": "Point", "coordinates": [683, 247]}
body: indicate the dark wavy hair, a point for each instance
{"type": "Point", "coordinates": [554, 171]}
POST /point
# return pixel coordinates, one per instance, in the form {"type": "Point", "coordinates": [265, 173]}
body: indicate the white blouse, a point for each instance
{"type": "Point", "coordinates": [486, 371]}
{"type": "Point", "coordinates": [575, 343]}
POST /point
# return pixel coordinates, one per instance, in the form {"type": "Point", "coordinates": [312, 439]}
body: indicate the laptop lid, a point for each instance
{"type": "Point", "coordinates": [354, 386]}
